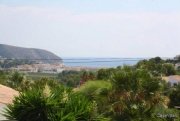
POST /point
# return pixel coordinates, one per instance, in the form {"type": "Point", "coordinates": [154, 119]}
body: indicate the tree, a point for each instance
{"type": "Point", "coordinates": [136, 93]}
{"type": "Point", "coordinates": [70, 78]}
{"type": "Point", "coordinates": [175, 96]}
{"type": "Point", "coordinates": [3, 77]}
{"type": "Point", "coordinates": [104, 74]}
{"type": "Point", "coordinates": [157, 66]}
{"type": "Point", "coordinates": [15, 80]}
{"type": "Point", "coordinates": [168, 69]}
{"type": "Point", "coordinates": [156, 60]}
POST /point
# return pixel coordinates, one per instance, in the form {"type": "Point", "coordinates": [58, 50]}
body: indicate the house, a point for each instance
{"type": "Point", "coordinates": [173, 80]}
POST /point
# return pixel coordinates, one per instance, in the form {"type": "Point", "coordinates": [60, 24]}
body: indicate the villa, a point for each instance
{"type": "Point", "coordinates": [173, 80]}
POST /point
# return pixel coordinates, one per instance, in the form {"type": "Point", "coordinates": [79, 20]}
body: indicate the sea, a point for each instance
{"type": "Point", "coordinates": [100, 62]}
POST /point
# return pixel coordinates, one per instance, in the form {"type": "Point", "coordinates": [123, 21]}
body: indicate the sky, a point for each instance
{"type": "Point", "coordinates": [93, 28]}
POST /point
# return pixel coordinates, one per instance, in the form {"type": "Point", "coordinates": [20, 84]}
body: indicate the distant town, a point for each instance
{"type": "Point", "coordinates": [42, 67]}
{"type": "Point", "coordinates": [32, 60]}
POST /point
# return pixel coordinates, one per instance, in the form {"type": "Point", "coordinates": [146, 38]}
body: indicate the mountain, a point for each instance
{"type": "Point", "coordinates": [37, 55]}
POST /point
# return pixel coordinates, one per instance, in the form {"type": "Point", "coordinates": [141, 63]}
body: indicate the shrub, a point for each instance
{"type": "Point", "coordinates": [135, 94]}
{"type": "Point", "coordinates": [51, 104]}
{"type": "Point", "coordinates": [29, 106]}
{"type": "Point", "coordinates": [97, 91]}
{"type": "Point", "coordinates": [15, 80]}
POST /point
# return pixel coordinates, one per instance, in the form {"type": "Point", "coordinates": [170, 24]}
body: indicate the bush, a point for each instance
{"type": "Point", "coordinates": [29, 106]}
{"type": "Point", "coordinates": [15, 80]}
{"type": "Point", "coordinates": [175, 96]}
{"type": "Point", "coordinates": [91, 89]}
{"type": "Point", "coordinates": [97, 91]}
{"type": "Point", "coordinates": [135, 94]}
{"type": "Point", "coordinates": [55, 104]}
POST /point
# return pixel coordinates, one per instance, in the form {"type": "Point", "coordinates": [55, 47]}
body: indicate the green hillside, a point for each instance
{"type": "Point", "coordinates": [38, 55]}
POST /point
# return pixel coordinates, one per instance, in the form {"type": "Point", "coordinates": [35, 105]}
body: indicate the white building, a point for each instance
{"type": "Point", "coordinates": [44, 68]}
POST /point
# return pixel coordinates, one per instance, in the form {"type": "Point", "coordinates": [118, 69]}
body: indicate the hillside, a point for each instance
{"type": "Point", "coordinates": [38, 55]}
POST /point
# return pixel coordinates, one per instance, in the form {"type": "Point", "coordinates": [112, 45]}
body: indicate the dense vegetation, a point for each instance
{"type": "Point", "coordinates": [157, 67]}
{"type": "Point", "coordinates": [51, 104]}
{"type": "Point", "coordinates": [127, 93]}
{"type": "Point", "coordinates": [75, 78]}
{"type": "Point", "coordinates": [14, 62]}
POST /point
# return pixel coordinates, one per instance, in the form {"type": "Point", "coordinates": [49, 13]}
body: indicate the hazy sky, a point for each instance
{"type": "Point", "coordinates": [93, 28]}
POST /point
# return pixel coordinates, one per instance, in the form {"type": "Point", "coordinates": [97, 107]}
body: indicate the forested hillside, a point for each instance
{"type": "Point", "coordinates": [38, 55]}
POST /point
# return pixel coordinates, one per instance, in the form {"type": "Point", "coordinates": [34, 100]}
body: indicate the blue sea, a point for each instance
{"type": "Point", "coordinates": [100, 62]}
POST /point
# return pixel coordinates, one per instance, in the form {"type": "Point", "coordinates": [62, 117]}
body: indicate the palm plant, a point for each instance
{"type": "Point", "coordinates": [51, 104]}
{"type": "Point", "coordinates": [135, 94]}
{"type": "Point", "coordinates": [29, 106]}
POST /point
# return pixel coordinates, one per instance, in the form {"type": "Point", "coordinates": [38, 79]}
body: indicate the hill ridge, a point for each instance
{"type": "Point", "coordinates": [40, 55]}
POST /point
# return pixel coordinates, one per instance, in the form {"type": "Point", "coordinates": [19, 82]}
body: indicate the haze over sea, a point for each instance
{"type": "Point", "coordinates": [100, 62]}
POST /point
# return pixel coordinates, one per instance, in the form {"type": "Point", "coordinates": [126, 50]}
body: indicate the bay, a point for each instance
{"type": "Point", "coordinates": [100, 62]}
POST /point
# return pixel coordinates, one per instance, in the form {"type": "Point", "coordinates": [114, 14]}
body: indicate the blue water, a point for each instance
{"type": "Point", "coordinates": [100, 62]}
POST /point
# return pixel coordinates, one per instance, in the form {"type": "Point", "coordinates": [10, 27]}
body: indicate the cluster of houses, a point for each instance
{"type": "Point", "coordinates": [36, 67]}
{"type": "Point", "coordinates": [43, 68]}
{"type": "Point", "coordinates": [49, 68]}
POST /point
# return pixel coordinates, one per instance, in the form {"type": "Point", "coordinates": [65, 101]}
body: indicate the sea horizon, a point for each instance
{"type": "Point", "coordinates": [102, 61]}
{"type": "Point", "coordinates": [99, 62]}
